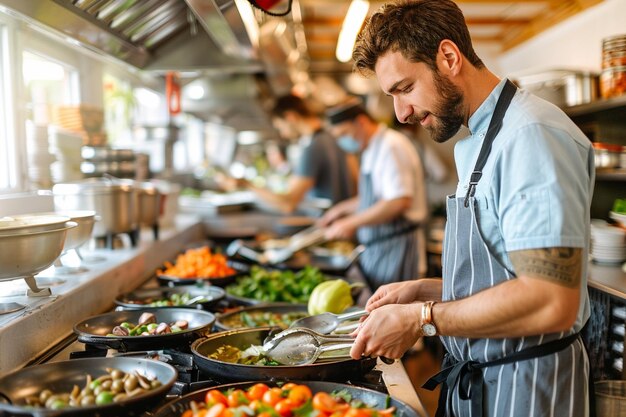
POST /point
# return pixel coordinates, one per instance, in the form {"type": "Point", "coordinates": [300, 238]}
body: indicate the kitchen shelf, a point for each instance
{"type": "Point", "coordinates": [596, 106]}
{"type": "Point", "coordinates": [607, 174]}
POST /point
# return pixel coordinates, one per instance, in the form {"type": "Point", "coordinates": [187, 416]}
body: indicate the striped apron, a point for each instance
{"type": "Point", "coordinates": [391, 249]}
{"type": "Point", "coordinates": [544, 375]}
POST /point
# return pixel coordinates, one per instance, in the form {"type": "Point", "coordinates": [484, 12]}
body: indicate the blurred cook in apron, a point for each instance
{"type": "Point", "coordinates": [390, 209]}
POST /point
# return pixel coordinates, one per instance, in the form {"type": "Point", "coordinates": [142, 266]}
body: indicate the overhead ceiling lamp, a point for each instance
{"type": "Point", "coordinates": [350, 29]}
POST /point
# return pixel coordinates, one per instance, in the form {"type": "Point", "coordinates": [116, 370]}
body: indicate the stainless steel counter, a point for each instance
{"type": "Point", "coordinates": [608, 279]}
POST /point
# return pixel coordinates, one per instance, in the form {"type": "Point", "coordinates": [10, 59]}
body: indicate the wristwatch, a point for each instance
{"type": "Point", "coordinates": [428, 324]}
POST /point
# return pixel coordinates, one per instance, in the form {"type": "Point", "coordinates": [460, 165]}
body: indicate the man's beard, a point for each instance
{"type": "Point", "coordinates": [448, 114]}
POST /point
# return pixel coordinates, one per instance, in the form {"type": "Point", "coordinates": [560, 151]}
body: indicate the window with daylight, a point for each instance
{"type": "Point", "coordinates": [8, 170]}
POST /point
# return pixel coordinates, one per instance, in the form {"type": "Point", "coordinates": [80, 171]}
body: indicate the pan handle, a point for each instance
{"type": "Point", "coordinates": [5, 398]}
{"type": "Point", "coordinates": [356, 252]}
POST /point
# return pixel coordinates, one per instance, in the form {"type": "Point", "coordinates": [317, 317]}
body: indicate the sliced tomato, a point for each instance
{"type": "Point", "coordinates": [236, 398]}
{"type": "Point", "coordinates": [323, 401]}
{"type": "Point", "coordinates": [272, 396]}
{"type": "Point", "coordinates": [359, 412]}
{"type": "Point", "coordinates": [216, 410]}
{"type": "Point", "coordinates": [285, 407]}
{"type": "Point", "coordinates": [256, 391]}
{"type": "Point", "coordinates": [214, 396]}
{"type": "Point", "coordinates": [300, 394]}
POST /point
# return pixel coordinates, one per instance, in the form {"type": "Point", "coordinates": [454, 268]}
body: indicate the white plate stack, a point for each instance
{"type": "Point", "coordinates": [39, 157]}
{"type": "Point", "coordinates": [608, 243]}
{"type": "Point", "coordinates": [66, 146]}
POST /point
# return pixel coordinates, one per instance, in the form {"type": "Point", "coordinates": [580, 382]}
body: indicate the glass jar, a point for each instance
{"type": "Point", "coordinates": [613, 82]}
{"type": "Point", "coordinates": [612, 59]}
{"type": "Point", "coordinates": [607, 155]}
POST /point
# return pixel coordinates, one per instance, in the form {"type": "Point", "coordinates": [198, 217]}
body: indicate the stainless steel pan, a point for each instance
{"type": "Point", "coordinates": [94, 330]}
{"type": "Point", "coordinates": [333, 370]}
{"type": "Point", "coordinates": [139, 298]}
{"type": "Point", "coordinates": [62, 376]}
{"type": "Point", "coordinates": [367, 396]}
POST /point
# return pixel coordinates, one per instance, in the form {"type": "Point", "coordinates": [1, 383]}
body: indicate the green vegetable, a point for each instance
{"type": "Point", "coordinates": [619, 206]}
{"type": "Point", "coordinates": [330, 296]}
{"type": "Point", "coordinates": [95, 383]}
{"type": "Point", "coordinates": [58, 404]}
{"type": "Point", "coordinates": [274, 286]}
{"type": "Point", "coordinates": [105, 397]}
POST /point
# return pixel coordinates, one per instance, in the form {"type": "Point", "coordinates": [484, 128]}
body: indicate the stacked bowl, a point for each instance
{"type": "Point", "coordinates": [30, 243]}
{"type": "Point", "coordinates": [608, 243]}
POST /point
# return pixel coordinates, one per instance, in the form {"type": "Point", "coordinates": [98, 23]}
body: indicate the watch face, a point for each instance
{"type": "Point", "coordinates": [429, 330]}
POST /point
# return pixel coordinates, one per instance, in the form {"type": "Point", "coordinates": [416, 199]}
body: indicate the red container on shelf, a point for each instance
{"type": "Point", "coordinates": [613, 82]}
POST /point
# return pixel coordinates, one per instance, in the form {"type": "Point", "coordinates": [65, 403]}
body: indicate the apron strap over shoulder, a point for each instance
{"type": "Point", "coordinates": [494, 128]}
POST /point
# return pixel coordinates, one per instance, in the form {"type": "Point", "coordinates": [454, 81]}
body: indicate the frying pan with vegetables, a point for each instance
{"type": "Point", "coordinates": [368, 397]}
{"type": "Point", "coordinates": [206, 296]}
{"type": "Point", "coordinates": [95, 330]}
{"type": "Point", "coordinates": [331, 369]}
{"type": "Point", "coordinates": [60, 377]}
{"type": "Point", "coordinates": [262, 316]}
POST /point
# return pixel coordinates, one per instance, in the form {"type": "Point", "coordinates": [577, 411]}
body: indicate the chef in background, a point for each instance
{"type": "Point", "coordinates": [322, 170]}
{"type": "Point", "coordinates": [391, 206]}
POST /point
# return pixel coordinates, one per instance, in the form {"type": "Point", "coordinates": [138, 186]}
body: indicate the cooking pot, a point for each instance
{"type": "Point", "coordinates": [76, 237]}
{"type": "Point", "coordinates": [562, 87]}
{"type": "Point", "coordinates": [148, 203]}
{"type": "Point", "coordinates": [113, 200]}
{"type": "Point", "coordinates": [29, 223]}
{"type": "Point", "coordinates": [23, 255]}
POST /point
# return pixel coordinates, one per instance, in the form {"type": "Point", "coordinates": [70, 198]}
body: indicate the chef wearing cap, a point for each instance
{"type": "Point", "coordinates": [391, 204]}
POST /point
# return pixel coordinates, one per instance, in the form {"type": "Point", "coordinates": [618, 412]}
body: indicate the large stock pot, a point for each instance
{"type": "Point", "coordinates": [113, 200]}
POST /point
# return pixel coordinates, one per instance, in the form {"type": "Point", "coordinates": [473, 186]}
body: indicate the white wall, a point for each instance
{"type": "Point", "coordinates": [573, 44]}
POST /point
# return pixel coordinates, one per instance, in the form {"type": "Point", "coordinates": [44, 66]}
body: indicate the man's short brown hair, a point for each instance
{"type": "Point", "coordinates": [415, 28]}
{"type": "Point", "coordinates": [291, 102]}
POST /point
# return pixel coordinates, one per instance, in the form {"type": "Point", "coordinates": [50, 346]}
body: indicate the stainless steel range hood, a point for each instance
{"type": "Point", "coordinates": [155, 35]}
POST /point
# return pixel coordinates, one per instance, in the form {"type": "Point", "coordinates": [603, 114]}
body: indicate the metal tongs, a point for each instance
{"type": "Point", "coordinates": [301, 346]}
{"type": "Point", "coordinates": [308, 237]}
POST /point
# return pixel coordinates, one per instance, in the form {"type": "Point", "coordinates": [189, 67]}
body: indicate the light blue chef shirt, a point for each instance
{"type": "Point", "coordinates": [537, 184]}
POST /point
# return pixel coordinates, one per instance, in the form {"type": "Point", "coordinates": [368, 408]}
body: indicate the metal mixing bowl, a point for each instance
{"type": "Point", "coordinates": [26, 254]}
{"type": "Point", "coordinates": [81, 234]}
{"type": "Point", "coordinates": [28, 223]}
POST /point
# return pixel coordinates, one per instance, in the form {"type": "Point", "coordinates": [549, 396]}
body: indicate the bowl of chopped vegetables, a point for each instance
{"type": "Point", "coordinates": [200, 264]}
{"type": "Point", "coordinates": [273, 285]}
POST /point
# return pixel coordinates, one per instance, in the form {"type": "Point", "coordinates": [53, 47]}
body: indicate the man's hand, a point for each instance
{"type": "Point", "coordinates": [388, 331]}
{"type": "Point", "coordinates": [330, 216]}
{"type": "Point", "coordinates": [343, 229]}
{"type": "Point", "coordinates": [395, 293]}
{"type": "Point", "coordinates": [228, 183]}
